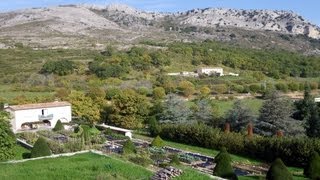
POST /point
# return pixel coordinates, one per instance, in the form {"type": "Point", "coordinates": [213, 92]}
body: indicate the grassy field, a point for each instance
{"type": "Point", "coordinates": [83, 166]}
{"type": "Point", "coordinates": [8, 94]}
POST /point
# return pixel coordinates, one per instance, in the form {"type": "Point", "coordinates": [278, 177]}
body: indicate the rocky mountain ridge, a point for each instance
{"type": "Point", "coordinates": [71, 25]}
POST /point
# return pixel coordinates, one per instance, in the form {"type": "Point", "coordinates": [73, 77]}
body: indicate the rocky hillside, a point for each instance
{"type": "Point", "coordinates": [83, 26]}
{"type": "Point", "coordinates": [278, 21]}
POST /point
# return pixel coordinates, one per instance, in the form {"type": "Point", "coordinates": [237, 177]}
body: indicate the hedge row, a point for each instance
{"type": "Point", "coordinates": [293, 151]}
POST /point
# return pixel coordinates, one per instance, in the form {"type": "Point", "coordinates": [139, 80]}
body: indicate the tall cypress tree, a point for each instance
{"type": "Point", "coordinates": [305, 105]}
{"type": "Point", "coordinates": [313, 122]}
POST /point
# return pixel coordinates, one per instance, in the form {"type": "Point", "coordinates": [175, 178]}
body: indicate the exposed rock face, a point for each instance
{"type": "Point", "coordinates": [66, 19]}
{"type": "Point", "coordinates": [279, 21]}
{"type": "Point", "coordinates": [85, 25]}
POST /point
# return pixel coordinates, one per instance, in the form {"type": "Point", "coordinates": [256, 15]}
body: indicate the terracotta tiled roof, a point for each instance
{"type": "Point", "coordinates": [39, 105]}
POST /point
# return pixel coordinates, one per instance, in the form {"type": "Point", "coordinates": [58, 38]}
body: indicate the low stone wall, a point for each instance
{"type": "Point", "coordinates": [24, 144]}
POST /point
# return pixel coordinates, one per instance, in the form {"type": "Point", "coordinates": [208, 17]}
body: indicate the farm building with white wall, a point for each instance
{"type": "Point", "coordinates": [210, 71]}
{"type": "Point", "coordinates": [39, 116]}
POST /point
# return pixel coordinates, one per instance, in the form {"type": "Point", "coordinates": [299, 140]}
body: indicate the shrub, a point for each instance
{"type": "Point", "coordinates": [56, 147]}
{"type": "Point", "coordinates": [86, 133]}
{"type": "Point", "coordinates": [159, 93]}
{"type": "Point", "coordinates": [40, 148]}
{"type": "Point", "coordinates": [157, 142]}
{"type": "Point", "coordinates": [223, 166]}
{"type": "Point", "coordinates": [140, 160]}
{"type": "Point", "coordinates": [188, 158]}
{"type": "Point", "coordinates": [74, 144]}
{"type": "Point", "coordinates": [129, 147]}
{"type": "Point", "coordinates": [174, 159]}
{"type": "Point", "coordinates": [312, 170]}
{"type": "Point", "coordinates": [59, 126]}
{"type": "Point", "coordinates": [63, 67]}
{"type": "Point", "coordinates": [278, 171]}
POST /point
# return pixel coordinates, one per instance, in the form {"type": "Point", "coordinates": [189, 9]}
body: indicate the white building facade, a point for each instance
{"type": "Point", "coordinates": [39, 116]}
{"type": "Point", "coordinates": [210, 71]}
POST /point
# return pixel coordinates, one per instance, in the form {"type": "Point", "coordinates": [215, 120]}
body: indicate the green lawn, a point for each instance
{"type": "Point", "coordinates": [263, 177]}
{"type": "Point", "coordinates": [253, 104]}
{"type": "Point", "coordinates": [19, 151]}
{"type": "Point", "coordinates": [204, 151]}
{"type": "Point", "coordinates": [191, 174]}
{"type": "Point", "coordinates": [82, 166]}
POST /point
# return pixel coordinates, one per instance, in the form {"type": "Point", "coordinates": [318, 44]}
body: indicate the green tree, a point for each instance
{"type": "Point", "coordinates": [154, 127]}
{"type": "Point", "coordinates": [239, 116]}
{"type": "Point", "coordinates": [313, 122]}
{"type": "Point", "coordinates": [204, 111]}
{"type": "Point", "coordinates": [174, 110]}
{"type": "Point", "coordinates": [84, 107]}
{"type": "Point", "coordinates": [223, 166]}
{"type": "Point", "coordinates": [97, 94]}
{"type": "Point", "coordinates": [59, 126]}
{"type": "Point", "coordinates": [157, 142]}
{"type": "Point", "coordinates": [305, 106]}
{"type": "Point", "coordinates": [61, 68]}
{"type": "Point", "coordinates": [278, 171]}
{"type": "Point", "coordinates": [186, 88]}
{"type": "Point", "coordinates": [312, 169]}
{"type": "Point", "coordinates": [40, 148]}
{"type": "Point", "coordinates": [129, 109]}
{"type": "Point", "coordinates": [7, 140]}
{"type": "Point", "coordinates": [274, 115]}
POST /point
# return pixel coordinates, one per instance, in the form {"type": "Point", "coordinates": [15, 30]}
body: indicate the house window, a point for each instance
{"type": "Point", "coordinates": [44, 112]}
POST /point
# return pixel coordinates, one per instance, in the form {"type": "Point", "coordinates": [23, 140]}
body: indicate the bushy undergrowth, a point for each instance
{"type": "Point", "coordinates": [293, 151]}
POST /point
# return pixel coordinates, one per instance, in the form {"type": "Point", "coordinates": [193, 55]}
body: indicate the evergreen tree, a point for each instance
{"type": "Point", "coordinates": [278, 171]}
{"type": "Point", "coordinates": [223, 166]}
{"type": "Point", "coordinates": [204, 111]}
{"type": "Point", "coordinates": [40, 148]}
{"type": "Point", "coordinates": [175, 110]}
{"type": "Point", "coordinates": [312, 170]}
{"type": "Point", "coordinates": [154, 127]}
{"type": "Point", "coordinates": [7, 140]}
{"type": "Point", "coordinates": [313, 123]}
{"type": "Point", "coordinates": [275, 115]}
{"type": "Point", "coordinates": [305, 106]}
{"type": "Point", "coordinates": [239, 116]}
{"type": "Point", "coordinates": [59, 126]}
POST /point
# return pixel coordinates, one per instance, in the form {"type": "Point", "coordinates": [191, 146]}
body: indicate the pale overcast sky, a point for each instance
{"type": "Point", "coordinates": [307, 8]}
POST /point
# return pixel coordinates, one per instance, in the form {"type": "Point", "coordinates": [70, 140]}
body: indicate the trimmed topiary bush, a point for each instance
{"type": "Point", "coordinates": [312, 170]}
{"type": "Point", "coordinates": [129, 147]}
{"type": "Point", "coordinates": [59, 126]}
{"type": "Point", "coordinates": [157, 142]}
{"type": "Point", "coordinates": [223, 166]}
{"type": "Point", "coordinates": [40, 148]}
{"type": "Point", "coordinates": [278, 171]}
